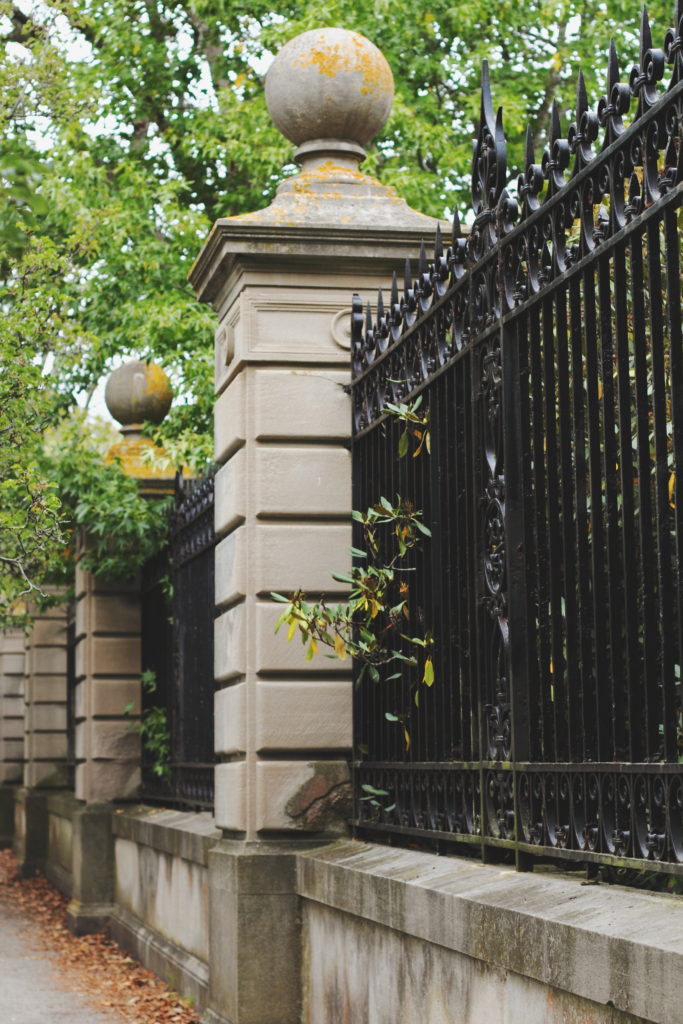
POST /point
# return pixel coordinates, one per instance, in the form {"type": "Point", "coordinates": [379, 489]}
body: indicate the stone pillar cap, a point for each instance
{"type": "Point", "coordinates": [330, 92]}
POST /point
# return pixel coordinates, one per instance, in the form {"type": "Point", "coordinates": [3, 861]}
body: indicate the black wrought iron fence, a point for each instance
{"type": "Point", "coordinates": [177, 653]}
{"type": "Point", "coordinates": [547, 348]}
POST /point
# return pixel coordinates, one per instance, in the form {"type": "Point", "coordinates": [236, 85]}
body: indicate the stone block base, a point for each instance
{"type": "Point", "coordinates": [185, 973]}
{"type": "Point", "coordinates": [92, 870]}
{"type": "Point", "coordinates": [211, 1017]}
{"type": "Point", "coordinates": [87, 918]}
{"type": "Point", "coordinates": [255, 933]}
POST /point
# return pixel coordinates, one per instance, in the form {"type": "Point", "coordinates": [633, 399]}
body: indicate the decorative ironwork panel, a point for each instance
{"type": "Point", "coordinates": [177, 645]}
{"type": "Point", "coordinates": [546, 345]}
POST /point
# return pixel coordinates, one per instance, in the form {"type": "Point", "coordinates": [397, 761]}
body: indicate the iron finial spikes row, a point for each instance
{"type": "Point", "coordinates": [574, 174]}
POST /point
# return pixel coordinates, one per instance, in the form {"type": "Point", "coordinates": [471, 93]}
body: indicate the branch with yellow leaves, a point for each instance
{"type": "Point", "coordinates": [373, 625]}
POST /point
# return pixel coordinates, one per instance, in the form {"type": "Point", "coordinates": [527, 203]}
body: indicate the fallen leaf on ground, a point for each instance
{"type": "Point", "coordinates": [93, 964]}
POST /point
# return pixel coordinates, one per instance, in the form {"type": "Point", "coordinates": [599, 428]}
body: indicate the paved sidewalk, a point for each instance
{"type": "Point", "coordinates": [31, 989]}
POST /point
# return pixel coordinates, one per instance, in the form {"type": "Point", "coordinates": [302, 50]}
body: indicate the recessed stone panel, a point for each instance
{"type": "Point", "coordinates": [280, 557]}
{"type": "Point", "coordinates": [303, 716]}
{"type": "Point", "coordinates": [300, 481]}
{"type": "Point", "coordinates": [230, 643]}
{"type": "Point", "coordinates": [230, 802]}
{"type": "Point", "coordinates": [230, 722]}
{"type": "Point", "coordinates": [273, 653]}
{"type": "Point", "coordinates": [230, 486]}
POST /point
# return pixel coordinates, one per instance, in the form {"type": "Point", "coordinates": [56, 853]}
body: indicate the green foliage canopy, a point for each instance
{"type": "Point", "coordinates": [128, 126]}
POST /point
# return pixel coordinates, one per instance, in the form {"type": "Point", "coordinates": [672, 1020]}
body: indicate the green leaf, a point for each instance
{"type": "Point", "coordinates": [341, 578]}
{"type": "Point", "coordinates": [428, 677]}
{"type": "Point", "coordinates": [389, 717]}
{"type": "Point", "coordinates": [282, 618]}
{"type": "Point", "coordinates": [403, 444]}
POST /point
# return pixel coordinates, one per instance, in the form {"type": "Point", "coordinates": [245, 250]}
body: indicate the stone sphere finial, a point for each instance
{"type": "Point", "coordinates": [138, 391]}
{"type": "Point", "coordinates": [329, 89]}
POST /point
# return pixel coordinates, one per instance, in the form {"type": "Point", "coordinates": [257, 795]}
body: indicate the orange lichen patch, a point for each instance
{"type": "Point", "coordinates": [157, 383]}
{"type": "Point", "coordinates": [329, 169]}
{"type": "Point", "coordinates": [354, 55]}
{"type": "Point", "coordinates": [133, 453]}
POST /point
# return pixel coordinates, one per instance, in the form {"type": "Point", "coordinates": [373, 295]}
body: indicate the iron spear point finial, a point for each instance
{"type": "Point", "coordinates": [438, 244]}
{"type": "Point", "coordinates": [529, 158]}
{"type": "Point", "coordinates": [457, 231]}
{"type": "Point", "coordinates": [423, 258]}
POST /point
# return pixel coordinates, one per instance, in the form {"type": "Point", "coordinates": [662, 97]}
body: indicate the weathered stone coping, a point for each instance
{"type": "Point", "coordinates": [612, 945]}
{"type": "Point", "coordinates": [185, 834]}
{"type": "Point", "coordinates": [63, 804]}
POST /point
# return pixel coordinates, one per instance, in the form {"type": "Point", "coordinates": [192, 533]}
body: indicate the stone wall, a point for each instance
{"type": "Point", "coordinates": [58, 866]}
{"type": "Point", "coordinates": [161, 911]}
{"type": "Point", "coordinates": [399, 937]}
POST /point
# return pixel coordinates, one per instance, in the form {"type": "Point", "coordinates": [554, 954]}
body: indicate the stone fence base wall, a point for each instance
{"type": "Point", "coordinates": [411, 938]}
{"type": "Point", "coordinates": [61, 808]}
{"type": "Point", "coordinates": [387, 936]}
{"type": "Point", "coordinates": [161, 900]}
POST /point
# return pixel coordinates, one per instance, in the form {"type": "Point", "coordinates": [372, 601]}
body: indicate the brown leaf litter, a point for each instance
{"type": "Point", "coordinates": [93, 965]}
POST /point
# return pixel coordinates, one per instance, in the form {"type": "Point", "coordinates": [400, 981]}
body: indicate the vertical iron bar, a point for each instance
{"type": "Point", "coordinates": [600, 703]}
{"type": "Point", "coordinates": [663, 512]}
{"type": "Point", "coordinates": [647, 539]}
{"type": "Point", "coordinates": [586, 683]}
{"type": "Point", "coordinates": [612, 517]}
{"type": "Point", "coordinates": [672, 233]}
{"type": "Point", "coordinates": [516, 445]}
{"type": "Point", "coordinates": [557, 686]}
{"type": "Point", "coordinates": [571, 695]}
{"type": "Point", "coordinates": [544, 708]}
{"type": "Point", "coordinates": [630, 690]}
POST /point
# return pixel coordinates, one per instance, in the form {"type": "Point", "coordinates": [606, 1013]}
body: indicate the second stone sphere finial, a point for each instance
{"type": "Point", "coordinates": [330, 83]}
{"type": "Point", "coordinates": [137, 392]}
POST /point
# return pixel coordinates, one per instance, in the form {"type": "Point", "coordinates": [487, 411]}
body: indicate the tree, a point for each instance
{"type": "Point", "coordinates": [147, 121]}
